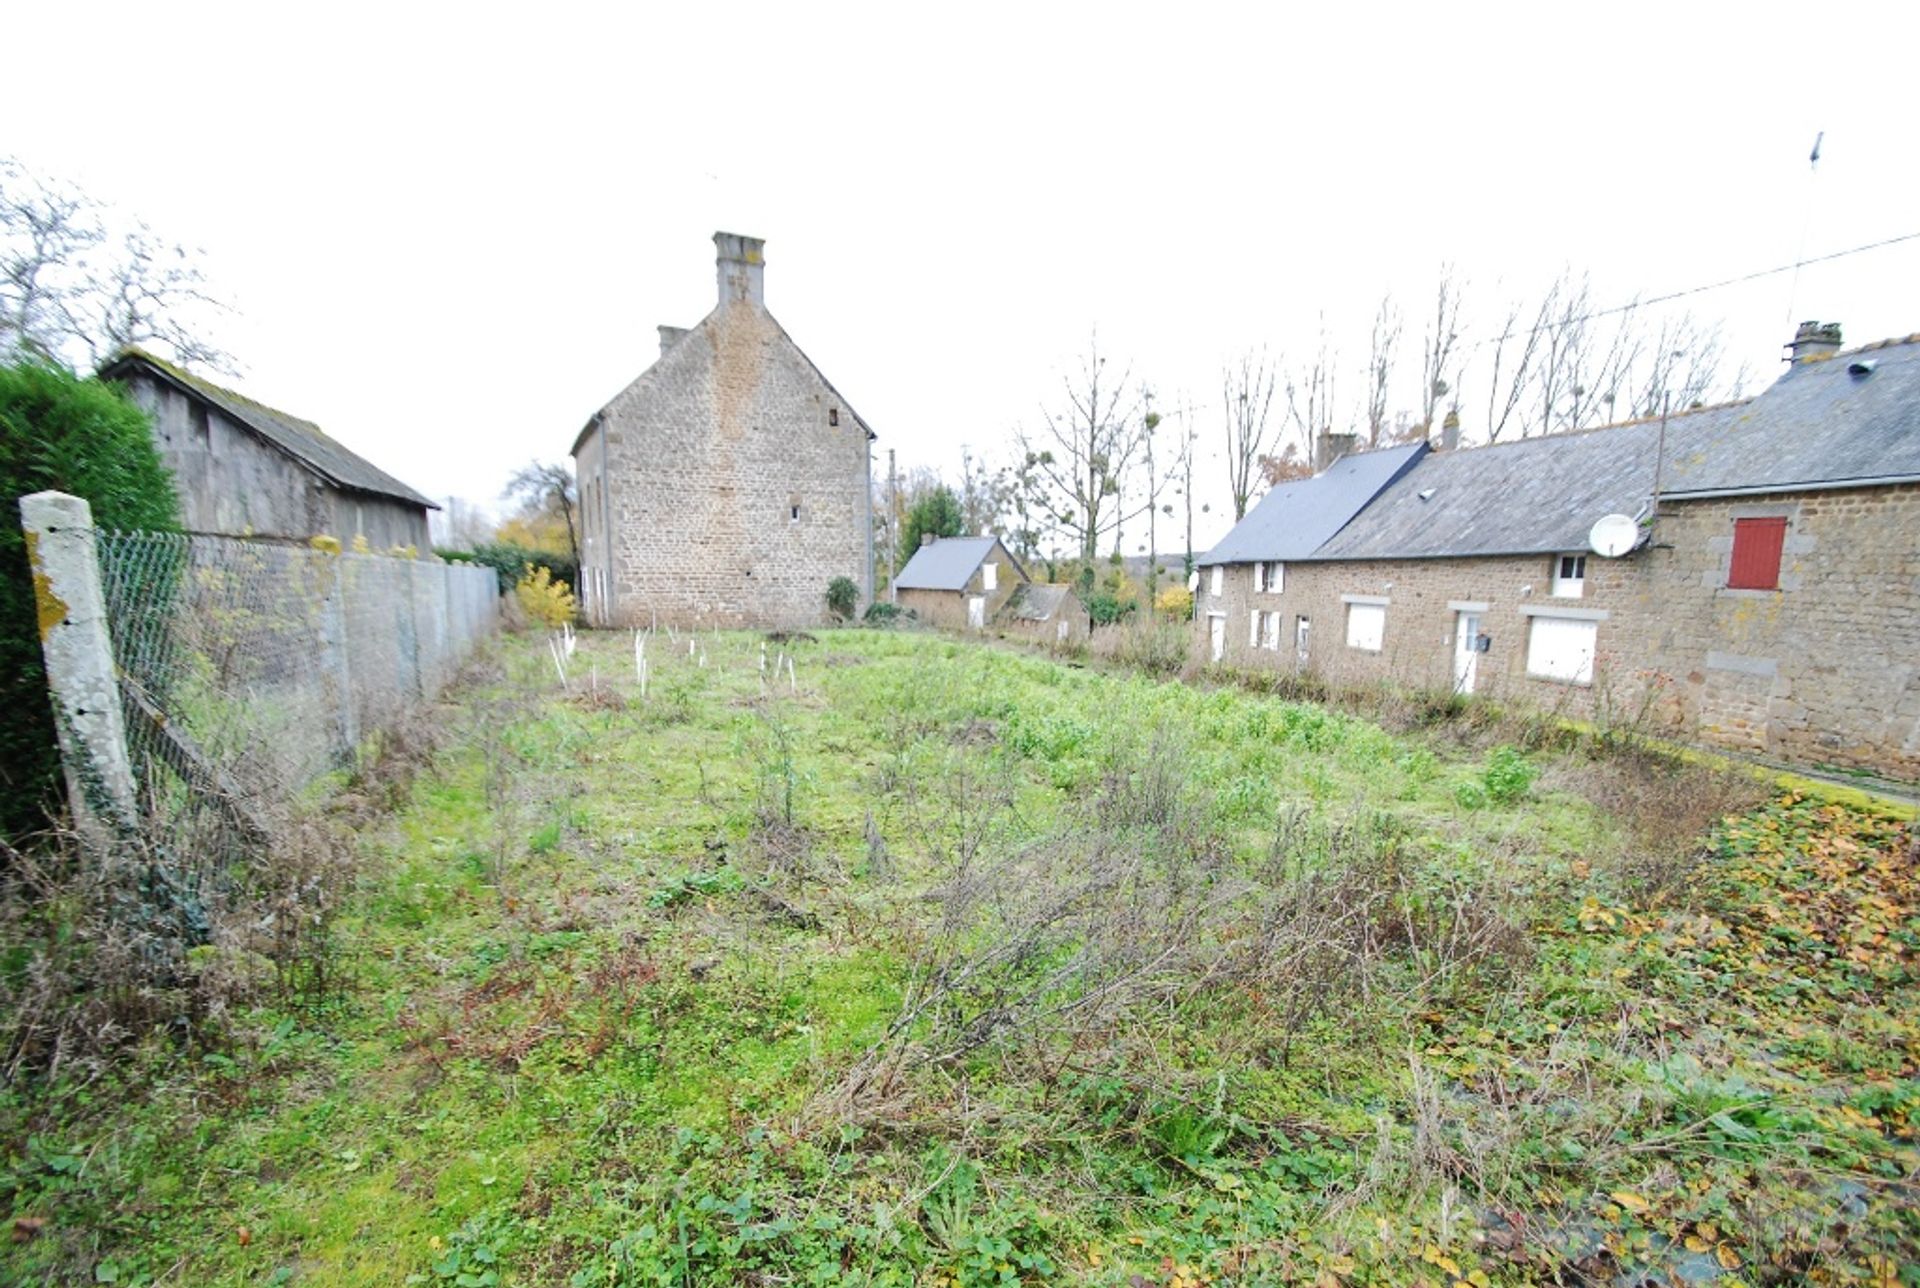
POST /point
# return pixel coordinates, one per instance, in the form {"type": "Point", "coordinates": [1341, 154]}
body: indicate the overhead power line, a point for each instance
{"type": "Point", "coordinates": [1696, 290]}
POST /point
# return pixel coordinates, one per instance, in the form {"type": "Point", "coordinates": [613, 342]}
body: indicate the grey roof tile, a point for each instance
{"type": "Point", "coordinates": [1294, 519]}
{"type": "Point", "coordinates": [946, 564]}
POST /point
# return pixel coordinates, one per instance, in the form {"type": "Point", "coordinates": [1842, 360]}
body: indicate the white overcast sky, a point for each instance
{"type": "Point", "coordinates": [449, 231]}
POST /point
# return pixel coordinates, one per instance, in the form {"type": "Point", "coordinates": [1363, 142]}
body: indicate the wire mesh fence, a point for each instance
{"type": "Point", "coordinates": [249, 670]}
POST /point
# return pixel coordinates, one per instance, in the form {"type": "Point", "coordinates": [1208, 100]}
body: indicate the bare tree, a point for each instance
{"type": "Point", "coordinates": [1310, 402]}
{"type": "Point", "coordinates": [1437, 348]}
{"type": "Point", "coordinates": [1514, 352]}
{"type": "Point", "coordinates": [1246, 389]}
{"type": "Point", "coordinates": [1380, 354]}
{"type": "Point", "coordinates": [985, 493]}
{"type": "Point", "coordinates": [546, 489]}
{"type": "Point", "coordinates": [1681, 367]}
{"type": "Point", "coordinates": [74, 290]}
{"type": "Point", "coordinates": [1077, 462]}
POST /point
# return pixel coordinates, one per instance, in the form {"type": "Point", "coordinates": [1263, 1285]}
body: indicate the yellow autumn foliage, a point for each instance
{"type": "Point", "coordinates": [544, 599]}
{"type": "Point", "coordinates": [1174, 603]}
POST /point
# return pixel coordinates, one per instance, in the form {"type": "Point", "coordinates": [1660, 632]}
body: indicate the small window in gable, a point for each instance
{"type": "Point", "coordinates": [990, 575]}
{"type": "Point", "coordinates": [1214, 581]}
{"type": "Point", "coordinates": [1569, 576]}
{"type": "Point", "coordinates": [793, 514]}
{"type": "Point", "coordinates": [833, 415]}
{"type": "Point", "coordinates": [1757, 544]}
{"type": "Point", "coordinates": [201, 434]}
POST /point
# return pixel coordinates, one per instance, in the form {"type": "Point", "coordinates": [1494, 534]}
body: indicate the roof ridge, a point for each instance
{"type": "Point", "coordinates": [1601, 429]}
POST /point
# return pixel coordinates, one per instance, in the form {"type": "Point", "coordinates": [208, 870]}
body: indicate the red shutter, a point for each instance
{"type": "Point", "coordinates": [1756, 554]}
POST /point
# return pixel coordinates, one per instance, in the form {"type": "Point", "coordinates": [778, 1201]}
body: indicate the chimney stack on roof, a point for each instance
{"type": "Point", "coordinates": [742, 262]}
{"type": "Point", "coordinates": [926, 539]}
{"type": "Point", "coordinates": [1450, 432]}
{"type": "Point", "coordinates": [1814, 340]}
{"type": "Point", "coordinates": [1330, 447]}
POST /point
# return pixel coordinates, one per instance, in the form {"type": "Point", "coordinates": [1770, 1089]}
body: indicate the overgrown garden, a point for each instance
{"type": "Point", "coordinates": [884, 958]}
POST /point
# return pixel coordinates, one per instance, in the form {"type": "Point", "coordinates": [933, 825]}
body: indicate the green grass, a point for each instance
{"type": "Point", "coordinates": [613, 963]}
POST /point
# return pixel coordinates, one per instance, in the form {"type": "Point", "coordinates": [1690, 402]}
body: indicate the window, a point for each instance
{"type": "Point", "coordinates": [990, 575]}
{"type": "Point", "coordinates": [1213, 581]}
{"type": "Point", "coordinates": [1269, 578]}
{"type": "Point", "coordinates": [197, 422]}
{"type": "Point", "coordinates": [1756, 554]}
{"type": "Point", "coordinates": [1562, 648]}
{"type": "Point", "coordinates": [1569, 576]}
{"type": "Point", "coordinates": [793, 514]}
{"type": "Point", "coordinates": [1367, 627]}
{"type": "Point", "coordinates": [833, 415]}
{"type": "Point", "coordinates": [1270, 633]}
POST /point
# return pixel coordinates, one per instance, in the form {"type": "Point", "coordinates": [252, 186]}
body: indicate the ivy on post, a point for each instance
{"type": "Point", "coordinates": [81, 678]}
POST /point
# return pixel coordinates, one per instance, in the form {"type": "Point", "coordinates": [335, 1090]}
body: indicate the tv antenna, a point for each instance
{"type": "Point", "coordinates": [1813, 168]}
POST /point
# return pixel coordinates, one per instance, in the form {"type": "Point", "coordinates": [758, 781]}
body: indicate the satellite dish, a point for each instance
{"type": "Point", "coordinates": [1613, 536]}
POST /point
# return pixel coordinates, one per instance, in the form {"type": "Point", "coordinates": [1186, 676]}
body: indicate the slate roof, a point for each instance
{"type": "Point", "coordinates": [1295, 519]}
{"type": "Point", "coordinates": [300, 439]}
{"type": "Point", "coordinates": [1534, 496]}
{"type": "Point", "coordinates": [1820, 425]}
{"type": "Point", "coordinates": [1827, 422]}
{"type": "Point", "coordinates": [1035, 602]}
{"type": "Point", "coordinates": [948, 564]}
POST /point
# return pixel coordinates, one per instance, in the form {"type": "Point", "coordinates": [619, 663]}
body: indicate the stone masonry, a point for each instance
{"type": "Point", "coordinates": [729, 483]}
{"type": "Point", "coordinates": [1824, 670]}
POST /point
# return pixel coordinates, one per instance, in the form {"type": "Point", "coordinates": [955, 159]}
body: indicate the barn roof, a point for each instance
{"type": "Point", "coordinates": [1295, 519]}
{"type": "Point", "coordinates": [300, 439]}
{"type": "Point", "coordinates": [946, 564]}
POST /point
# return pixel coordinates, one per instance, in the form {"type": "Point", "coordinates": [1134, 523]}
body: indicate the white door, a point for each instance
{"type": "Point", "coordinates": [977, 612]}
{"type": "Point", "coordinates": [1217, 634]}
{"type": "Point", "coordinates": [1466, 651]}
{"type": "Point", "coordinates": [1300, 636]}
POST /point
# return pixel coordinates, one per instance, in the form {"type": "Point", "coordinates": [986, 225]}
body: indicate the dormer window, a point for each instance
{"type": "Point", "coordinates": [1569, 576]}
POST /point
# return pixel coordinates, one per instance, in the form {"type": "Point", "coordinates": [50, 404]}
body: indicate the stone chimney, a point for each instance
{"type": "Point", "coordinates": [1814, 340]}
{"type": "Point", "coordinates": [1450, 432]}
{"type": "Point", "coordinates": [743, 268]}
{"type": "Point", "coordinates": [670, 336]}
{"type": "Point", "coordinates": [1330, 447]}
{"type": "Point", "coordinates": [926, 539]}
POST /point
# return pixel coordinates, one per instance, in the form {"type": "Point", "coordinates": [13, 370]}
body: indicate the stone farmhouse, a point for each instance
{"type": "Point", "coordinates": [730, 482]}
{"type": "Point", "coordinates": [1766, 598]}
{"type": "Point", "coordinates": [243, 468]}
{"type": "Point", "coordinates": [959, 583]}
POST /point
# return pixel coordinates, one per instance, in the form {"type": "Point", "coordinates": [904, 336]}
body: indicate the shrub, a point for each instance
{"type": "Point", "coordinates": [1174, 603]}
{"type": "Point", "coordinates": [1509, 776]}
{"type": "Point", "coordinates": [843, 598]}
{"type": "Point", "coordinates": [546, 599]}
{"type": "Point", "coordinates": [509, 561]}
{"type": "Point", "coordinates": [1107, 608]}
{"type": "Point", "coordinates": [881, 613]}
{"type": "Point", "coordinates": [58, 431]}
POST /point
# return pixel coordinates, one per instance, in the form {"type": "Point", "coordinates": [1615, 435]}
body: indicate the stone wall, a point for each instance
{"type": "Point", "coordinates": [232, 482]}
{"type": "Point", "coordinates": [1824, 670]}
{"type": "Point", "coordinates": [731, 495]}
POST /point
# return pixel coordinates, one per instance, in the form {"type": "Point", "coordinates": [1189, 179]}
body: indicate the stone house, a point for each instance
{"type": "Point", "coordinates": [1767, 598]}
{"type": "Point", "coordinates": [730, 482]}
{"type": "Point", "coordinates": [243, 468]}
{"type": "Point", "coordinates": [959, 583]}
{"type": "Point", "coordinates": [1045, 613]}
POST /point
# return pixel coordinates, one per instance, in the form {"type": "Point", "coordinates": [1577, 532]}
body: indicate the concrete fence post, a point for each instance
{"type": "Point", "coordinates": [81, 679]}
